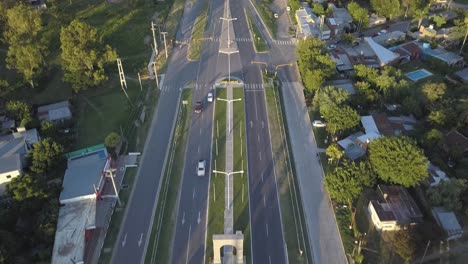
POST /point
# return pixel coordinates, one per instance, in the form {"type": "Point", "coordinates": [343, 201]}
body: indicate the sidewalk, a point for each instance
{"type": "Point", "coordinates": [324, 236]}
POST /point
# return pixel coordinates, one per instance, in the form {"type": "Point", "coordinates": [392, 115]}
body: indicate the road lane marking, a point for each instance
{"type": "Point", "coordinates": [141, 240]}
{"type": "Point", "coordinates": [251, 124]}
{"type": "Point", "coordinates": [267, 229]}
{"type": "Point", "coordinates": [269, 259]}
{"type": "Point", "coordinates": [264, 201]}
{"type": "Point", "coordinates": [183, 218]}
{"type": "Point", "coordinates": [193, 194]}
{"type": "Point", "coordinates": [199, 218]}
{"type": "Point", "coordinates": [258, 138]}
{"type": "Point", "coordinates": [262, 176]}
{"type": "Point", "coordinates": [263, 124]}
{"type": "Point", "coordinates": [188, 244]}
{"type": "Point", "coordinates": [260, 153]}
{"type": "Point", "coordinates": [124, 240]}
{"type": "Point", "coordinates": [198, 149]}
{"type": "Point", "coordinates": [200, 130]}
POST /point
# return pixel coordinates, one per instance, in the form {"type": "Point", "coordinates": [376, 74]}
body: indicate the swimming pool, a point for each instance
{"type": "Point", "coordinates": [418, 74]}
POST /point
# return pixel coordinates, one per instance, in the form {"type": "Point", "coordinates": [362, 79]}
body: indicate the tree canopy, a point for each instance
{"type": "Point", "coordinates": [27, 50]}
{"type": "Point", "coordinates": [84, 55]}
{"type": "Point", "coordinates": [45, 155]}
{"type": "Point", "coordinates": [314, 63]}
{"type": "Point", "coordinates": [398, 160]}
{"type": "Point", "coordinates": [20, 111]}
{"type": "Point", "coordinates": [387, 8]}
{"type": "Point", "coordinates": [347, 182]}
{"type": "Point", "coordinates": [334, 152]}
{"type": "Point", "coordinates": [433, 92]}
{"type": "Point", "coordinates": [359, 14]}
{"type": "Point", "coordinates": [404, 244]}
{"type": "Point", "coordinates": [112, 140]}
{"type": "Point", "coordinates": [448, 194]}
{"type": "Point", "coordinates": [25, 187]}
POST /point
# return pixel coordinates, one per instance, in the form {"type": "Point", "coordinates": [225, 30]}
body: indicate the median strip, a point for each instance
{"type": "Point", "coordinates": [162, 231]}
{"type": "Point", "coordinates": [259, 42]}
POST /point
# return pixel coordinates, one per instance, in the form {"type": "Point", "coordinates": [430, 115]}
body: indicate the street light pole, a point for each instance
{"type": "Point", "coordinates": [229, 108]}
{"type": "Point", "coordinates": [281, 65]}
{"type": "Point", "coordinates": [165, 45]}
{"type": "Point", "coordinates": [228, 174]}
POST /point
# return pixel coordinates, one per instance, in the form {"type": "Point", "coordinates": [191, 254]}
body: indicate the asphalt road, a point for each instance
{"type": "Point", "coordinates": [190, 235]}
{"type": "Point", "coordinates": [266, 228]}
{"type": "Point", "coordinates": [135, 228]}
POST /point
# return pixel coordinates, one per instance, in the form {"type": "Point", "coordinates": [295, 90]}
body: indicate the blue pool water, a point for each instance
{"type": "Point", "coordinates": [418, 74]}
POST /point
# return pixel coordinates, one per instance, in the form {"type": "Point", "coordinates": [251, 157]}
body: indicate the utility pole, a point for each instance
{"type": "Point", "coordinates": [165, 45]}
{"type": "Point", "coordinates": [281, 65]}
{"type": "Point", "coordinates": [139, 80]}
{"type": "Point", "coordinates": [154, 40]}
{"type": "Point", "coordinates": [110, 174]}
{"type": "Point", "coordinates": [228, 174]}
{"type": "Point", "coordinates": [123, 82]}
{"type": "Point", "coordinates": [155, 74]}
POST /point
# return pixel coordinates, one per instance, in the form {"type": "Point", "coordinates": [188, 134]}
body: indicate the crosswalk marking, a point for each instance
{"type": "Point", "coordinates": [254, 86]}
{"type": "Point", "coordinates": [217, 39]}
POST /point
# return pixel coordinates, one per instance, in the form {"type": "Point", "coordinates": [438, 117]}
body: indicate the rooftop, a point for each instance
{"type": "Point", "coordinates": [73, 220]}
{"type": "Point", "coordinates": [52, 112]}
{"type": "Point", "coordinates": [448, 221]}
{"type": "Point", "coordinates": [345, 84]}
{"type": "Point", "coordinates": [400, 202]}
{"type": "Point", "coordinates": [455, 138]}
{"type": "Point", "coordinates": [384, 55]}
{"type": "Point", "coordinates": [83, 174]}
{"type": "Point", "coordinates": [463, 74]}
{"type": "Point", "coordinates": [18, 142]}
{"type": "Point", "coordinates": [10, 163]}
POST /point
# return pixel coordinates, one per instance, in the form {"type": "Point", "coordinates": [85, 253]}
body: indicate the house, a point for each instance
{"type": "Point", "coordinates": [436, 175]}
{"type": "Point", "coordinates": [408, 51]}
{"type": "Point", "coordinates": [13, 150]}
{"type": "Point", "coordinates": [352, 150]}
{"type": "Point", "coordinates": [375, 20]}
{"type": "Point", "coordinates": [342, 61]}
{"type": "Point", "coordinates": [439, 53]}
{"type": "Point", "coordinates": [463, 75]}
{"type": "Point", "coordinates": [340, 19]}
{"type": "Point", "coordinates": [394, 209]}
{"type": "Point", "coordinates": [309, 25]}
{"type": "Point", "coordinates": [384, 56]}
{"type": "Point", "coordinates": [344, 84]}
{"type": "Point", "coordinates": [390, 37]}
{"type": "Point", "coordinates": [6, 124]}
{"type": "Point", "coordinates": [448, 221]}
{"type": "Point", "coordinates": [55, 113]}
{"type": "Point", "coordinates": [82, 183]}
{"type": "Point", "coordinates": [455, 139]}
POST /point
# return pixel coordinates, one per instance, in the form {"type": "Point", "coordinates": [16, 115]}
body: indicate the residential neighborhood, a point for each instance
{"type": "Point", "coordinates": [253, 131]}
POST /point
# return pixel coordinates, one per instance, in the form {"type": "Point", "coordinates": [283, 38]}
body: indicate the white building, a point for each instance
{"type": "Point", "coordinates": [13, 149]}
{"type": "Point", "coordinates": [309, 25]}
{"type": "Point", "coordinates": [55, 112]}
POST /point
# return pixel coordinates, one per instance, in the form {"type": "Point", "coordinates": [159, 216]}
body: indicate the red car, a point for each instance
{"type": "Point", "coordinates": [198, 107]}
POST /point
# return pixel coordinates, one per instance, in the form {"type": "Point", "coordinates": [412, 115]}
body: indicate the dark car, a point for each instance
{"type": "Point", "coordinates": [198, 107]}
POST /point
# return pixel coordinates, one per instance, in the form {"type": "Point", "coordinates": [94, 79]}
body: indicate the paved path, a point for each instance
{"type": "Point", "coordinates": [319, 216]}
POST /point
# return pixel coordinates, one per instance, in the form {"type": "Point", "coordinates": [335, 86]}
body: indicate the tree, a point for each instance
{"type": "Point", "coordinates": [442, 116]}
{"type": "Point", "coordinates": [314, 63]}
{"type": "Point", "coordinates": [26, 187]}
{"type": "Point", "coordinates": [330, 95]}
{"type": "Point", "coordinates": [462, 28]}
{"type": "Point", "coordinates": [84, 56]}
{"type": "Point", "coordinates": [365, 94]}
{"type": "Point", "coordinates": [365, 73]}
{"type": "Point", "coordinates": [439, 20]}
{"type": "Point", "coordinates": [45, 155]}
{"type": "Point", "coordinates": [340, 118]}
{"type": "Point", "coordinates": [347, 38]}
{"type": "Point", "coordinates": [26, 50]}
{"type": "Point", "coordinates": [420, 14]}
{"type": "Point", "coordinates": [387, 8]}
{"type": "Point", "coordinates": [20, 111]}
{"type": "Point", "coordinates": [412, 106]}
{"type": "Point", "coordinates": [318, 9]}
{"type": "Point", "coordinates": [347, 182]}
{"type": "Point", "coordinates": [448, 194]}
{"type": "Point", "coordinates": [112, 140]}
{"type": "Point", "coordinates": [334, 152]}
{"type": "Point", "coordinates": [48, 129]}
{"type": "Point", "coordinates": [404, 244]}
{"type": "Point", "coordinates": [359, 14]}
{"type": "Point", "coordinates": [434, 91]}
{"type": "Point", "coordinates": [411, 5]}
{"type": "Point", "coordinates": [398, 160]}
{"type": "Point", "coordinates": [431, 138]}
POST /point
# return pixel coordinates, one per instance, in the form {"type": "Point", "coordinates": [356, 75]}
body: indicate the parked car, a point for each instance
{"type": "Point", "coordinates": [209, 98]}
{"type": "Point", "coordinates": [383, 31]}
{"type": "Point", "coordinates": [331, 47]}
{"type": "Point", "coordinates": [276, 15]}
{"type": "Point", "coordinates": [318, 123]}
{"type": "Point", "coordinates": [201, 168]}
{"type": "Point", "coordinates": [198, 107]}
{"type": "Point", "coordinates": [288, 8]}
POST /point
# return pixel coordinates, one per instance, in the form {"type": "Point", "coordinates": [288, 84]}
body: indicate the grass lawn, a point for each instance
{"type": "Point", "coordinates": [462, 1]}
{"type": "Point", "coordinates": [117, 217]}
{"type": "Point", "coordinates": [259, 42]}
{"type": "Point", "coordinates": [267, 15]}
{"type": "Point", "coordinates": [291, 211]}
{"type": "Point", "coordinates": [196, 43]}
{"type": "Point", "coordinates": [159, 247]}
{"type": "Point", "coordinates": [103, 112]}
{"type": "Point", "coordinates": [216, 195]}
{"type": "Point", "coordinates": [241, 182]}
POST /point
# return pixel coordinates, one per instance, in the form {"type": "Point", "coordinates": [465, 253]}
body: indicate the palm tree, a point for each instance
{"type": "Point", "coordinates": [420, 14]}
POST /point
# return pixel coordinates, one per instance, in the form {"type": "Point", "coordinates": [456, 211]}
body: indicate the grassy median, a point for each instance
{"type": "Point", "coordinates": [196, 43]}
{"type": "Point", "coordinates": [216, 195]}
{"type": "Point", "coordinates": [259, 42]}
{"type": "Point", "coordinates": [267, 15]}
{"type": "Point", "coordinates": [241, 181]}
{"type": "Point", "coordinates": [292, 215]}
{"type": "Point", "coordinates": [160, 243]}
